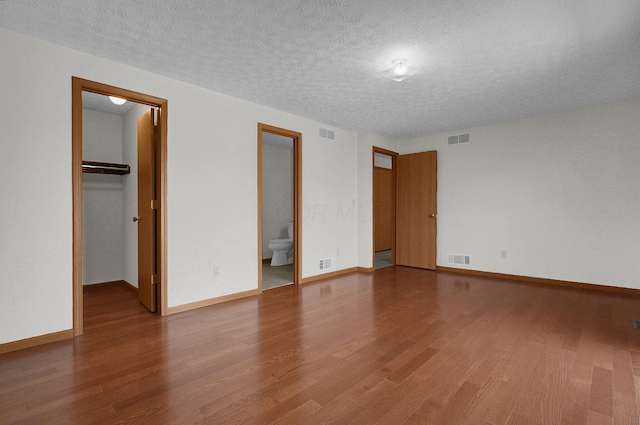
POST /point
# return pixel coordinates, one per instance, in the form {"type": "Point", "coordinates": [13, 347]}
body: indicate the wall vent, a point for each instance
{"type": "Point", "coordinates": [461, 260]}
{"type": "Point", "coordinates": [459, 139]}
{"type": "Point", "coordinates": [325, 264]}
{"type": "Point", "coordinates": [327, 134]}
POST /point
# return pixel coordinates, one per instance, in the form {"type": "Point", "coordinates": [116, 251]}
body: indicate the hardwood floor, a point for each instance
{"type": "Point", "coordinates": [399, 346]}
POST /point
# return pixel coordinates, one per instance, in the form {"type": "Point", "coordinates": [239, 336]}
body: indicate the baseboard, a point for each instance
{"type": "Point", "coordinates": [335, 274]}
{"type": "Point", "coordinates": [212, 301]}
{"type": "Point", "coordinates": [593, 286]}
{"type": "Point", "coordinates": [266, 260]}
{"type": "Point", "coordinates": [35, 341]}
{"type": "Point", "coordinates": [365, 269]}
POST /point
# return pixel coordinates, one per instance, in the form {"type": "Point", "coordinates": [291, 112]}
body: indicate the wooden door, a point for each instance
{"type": "Point", "coordinates": [147, 208]}
{"type": "Point", "coordinates": [416, 212]}
{"type": "Point", "coordinates": [383, 219]}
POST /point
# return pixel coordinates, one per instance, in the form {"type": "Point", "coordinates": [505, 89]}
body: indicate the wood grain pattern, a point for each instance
{"type": "Point", "coordinates": [147, 223]}
{"type": "Point", "coordinates": [383, 208]}
{"type": "Point", "coordinates": [416, 210]}
{"type": "Point", "coordinates": [398, 346]}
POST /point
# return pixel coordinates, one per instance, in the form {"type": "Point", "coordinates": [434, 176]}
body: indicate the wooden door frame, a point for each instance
{"type": "Point", "coordinates": [394, 156]}
{"type": "Point", "coordinates": [79, 85]}
{"type": "Point", "coordinates": [297, 199]}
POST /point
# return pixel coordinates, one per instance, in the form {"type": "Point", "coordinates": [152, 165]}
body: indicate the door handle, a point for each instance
{"type": "Point", "coordinates": [433, 215]}
{"type": "Point", "coordinates": [136, 219]}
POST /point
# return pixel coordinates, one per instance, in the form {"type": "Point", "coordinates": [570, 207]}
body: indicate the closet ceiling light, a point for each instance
{"type": "Point", "coordinates": [117, 100]}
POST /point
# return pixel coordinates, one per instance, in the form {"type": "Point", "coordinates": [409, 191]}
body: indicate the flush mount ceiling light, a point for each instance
{"type": "Point", "coordinates": [117, 100]}
{"type": "Point", "coordinates": [399, 71]}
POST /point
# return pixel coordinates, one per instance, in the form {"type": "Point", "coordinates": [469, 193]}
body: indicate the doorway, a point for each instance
{"type": "Point", "coordinates": [157, 281]}
{"type": "Point", "coordinates": [279, 207]}
{"type": "Point", "coordinates": [384, 207]}
{"type": "Point", "coordinates": [404, 205]}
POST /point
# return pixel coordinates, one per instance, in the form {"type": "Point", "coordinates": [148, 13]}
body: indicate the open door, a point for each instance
{"type": "Point", "coordinates": [159, 252]}
{"type": "Point", "coordinates": [416, 210]}
{"type": "Point", "coordinates": [147, 208]}
{"type": "Point", "coordinates": [383, 208]}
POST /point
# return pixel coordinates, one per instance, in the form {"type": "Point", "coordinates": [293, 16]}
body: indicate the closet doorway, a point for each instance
{"type": "Point", "coordinates": [279, 207]}
{"type": "Point", "coordinates": [149, 215]}
{"type": "Point", "coordinates": [405, 207]}
{"type": "Point", "coordinates": [384, 207]}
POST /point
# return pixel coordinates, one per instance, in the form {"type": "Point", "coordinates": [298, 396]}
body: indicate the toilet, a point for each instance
{"type": "Point", "coordinates": [282, 249]}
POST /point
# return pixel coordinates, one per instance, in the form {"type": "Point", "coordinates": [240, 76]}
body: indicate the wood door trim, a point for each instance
{"type": "Point", "coordinates": [297, 199]}
{"type": "Point", "coordinates": [394, 158]}
{"type": "Point", "coordinates": [384, 151]}
{"type": "Point", "coordinates": [78, 85]}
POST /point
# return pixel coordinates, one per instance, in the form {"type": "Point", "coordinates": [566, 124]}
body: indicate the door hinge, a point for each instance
{"type": "Point", "coordinates": [154, 204]}
{"type": "Point", "coordinates": [154, 279]}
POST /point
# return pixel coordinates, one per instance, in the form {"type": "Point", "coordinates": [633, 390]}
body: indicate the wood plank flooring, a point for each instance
{"type": "Point", "coordinates": [399, 346]}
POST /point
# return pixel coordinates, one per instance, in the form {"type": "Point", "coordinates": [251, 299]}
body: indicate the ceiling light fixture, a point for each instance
{"type": "Point", "coordinates": [399, 71]}
{"type": "Point", "coordinates": [117, 100]}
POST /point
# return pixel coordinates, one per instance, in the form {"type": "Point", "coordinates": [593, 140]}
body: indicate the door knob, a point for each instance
{"type": "Point", "coordinates": [433, 215]}
{"type": "Point", "coordinates": [136, 219]}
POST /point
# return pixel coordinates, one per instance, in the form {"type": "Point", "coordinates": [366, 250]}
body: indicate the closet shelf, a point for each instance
{"type": "Point", "coordinates": [105, 168]}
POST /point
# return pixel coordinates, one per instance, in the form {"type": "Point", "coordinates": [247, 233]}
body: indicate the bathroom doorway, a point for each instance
{"type": "Point", "coordinates": [279, 206]}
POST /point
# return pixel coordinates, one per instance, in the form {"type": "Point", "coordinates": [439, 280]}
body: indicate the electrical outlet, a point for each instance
{"type": "Point", "coordinates": [216, 271]}
{"type": "Point", "coordinates": [503, 254]}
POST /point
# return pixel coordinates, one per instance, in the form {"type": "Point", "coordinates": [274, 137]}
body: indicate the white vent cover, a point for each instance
{"type": "Point", "coordinates": [462, 260]}
{"type": "Point", "coordinates": [459, 139]}
{"type": "Point", "coordinates": [325, 264]}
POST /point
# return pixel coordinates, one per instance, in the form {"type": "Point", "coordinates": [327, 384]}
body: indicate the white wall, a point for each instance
{"type": "Point", "coordinates": [558, 192]}
{"type": "Point", "coordinates": [212, 185]}
{"type": "Point", "coordinates": [277, 193]}
{"type": "Point", "coordinates": [102, 202]}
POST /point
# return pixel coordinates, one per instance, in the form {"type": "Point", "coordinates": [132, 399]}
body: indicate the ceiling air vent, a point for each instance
{"type": "Point", "coordinates": [459, 139]}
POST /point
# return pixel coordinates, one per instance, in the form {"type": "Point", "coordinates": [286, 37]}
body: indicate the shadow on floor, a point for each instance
{"type": "Point", "coordinates": [383, 259]}
{"type": "Point", "coordinates": [273, 277]}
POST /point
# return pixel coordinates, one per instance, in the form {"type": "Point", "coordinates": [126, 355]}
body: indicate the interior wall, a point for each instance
{"type": "Point", "coordinates": [211, 194]}
{"type": "Point", "coordinates": [277, 193]}
{"type": "Point", "coordinates": [558, 193]}
{"type": "Point", "coordinates": [102, 201]}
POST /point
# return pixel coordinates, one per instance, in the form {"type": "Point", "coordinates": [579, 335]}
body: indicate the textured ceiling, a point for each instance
{"type": "Point", "coordinates": [479, 62]}
{"type": "Point", "coordinates": [100, 103]}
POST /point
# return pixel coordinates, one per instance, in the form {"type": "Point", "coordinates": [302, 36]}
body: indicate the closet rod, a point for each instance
{"type": "Point", "coordinates": [105, 168]}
